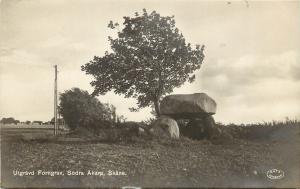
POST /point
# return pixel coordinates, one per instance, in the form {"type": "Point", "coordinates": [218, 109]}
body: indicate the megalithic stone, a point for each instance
{"type": "Point", "coordinates": [188, 106]}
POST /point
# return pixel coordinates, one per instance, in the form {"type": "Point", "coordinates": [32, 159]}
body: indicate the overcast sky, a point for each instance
{"type": "Point", "coordinates": [251, 69]}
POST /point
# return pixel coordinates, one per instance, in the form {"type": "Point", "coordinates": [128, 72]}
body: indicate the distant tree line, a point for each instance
{"type": "Point", "coordinates": [9, 120]}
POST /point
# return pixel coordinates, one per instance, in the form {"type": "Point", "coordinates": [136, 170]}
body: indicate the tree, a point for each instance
{"type": "Point", "coordinates": [121, 119]}
{"type": "Point", "coordinates": [60, 121]}
{"type": "Point", "coordinates": [9, 120]}
{"type": "Point", "coordinates": [37, 122]}
{"type": "Point", "coordinates": [149, 58]}
{"type": "Point", "coordinates": [79, 108]}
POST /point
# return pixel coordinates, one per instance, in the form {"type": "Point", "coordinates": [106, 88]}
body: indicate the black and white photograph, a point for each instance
{"type": "Point", "coordinates": [136, 94]}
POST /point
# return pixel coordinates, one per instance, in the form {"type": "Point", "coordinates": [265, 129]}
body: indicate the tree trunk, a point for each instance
{"type": "Point", "coordinates": [157, 107]}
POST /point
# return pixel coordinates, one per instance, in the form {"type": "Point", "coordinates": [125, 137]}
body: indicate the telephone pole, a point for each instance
{"type": "Point", "coordinates": [55, 101]}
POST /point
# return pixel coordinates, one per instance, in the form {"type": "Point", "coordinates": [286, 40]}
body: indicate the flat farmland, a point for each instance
{"type": "Point", "coordinates": [45, 161]}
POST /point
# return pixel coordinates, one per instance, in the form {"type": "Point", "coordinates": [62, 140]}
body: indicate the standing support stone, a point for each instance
{"type": "Point", "coordinates": [165, 127]}
{"type": "Point", "coordinates": [209, 126]}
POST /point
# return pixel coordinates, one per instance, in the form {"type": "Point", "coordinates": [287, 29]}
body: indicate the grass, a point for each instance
{"type": "Point", "coordinates": [239, 158]}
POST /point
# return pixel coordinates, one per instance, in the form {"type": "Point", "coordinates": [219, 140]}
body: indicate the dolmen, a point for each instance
{"type": "Point", "coordinates": [193, 111]}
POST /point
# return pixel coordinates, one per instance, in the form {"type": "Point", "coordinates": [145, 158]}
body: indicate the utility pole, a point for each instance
{"type": "Point", "coordinates": [55, 101]}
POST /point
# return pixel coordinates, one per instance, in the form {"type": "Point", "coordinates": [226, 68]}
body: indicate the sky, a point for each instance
{"type": "Point", "coordinates": [251, 66]}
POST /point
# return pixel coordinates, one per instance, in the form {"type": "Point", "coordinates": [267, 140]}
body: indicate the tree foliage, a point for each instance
{"type": "Point", "coordinates": [150, 57]}
{"type": "Point", "coordinates": [79, 108]}
{"type": "Point", "coordinates": [37, 122]}
{"type": "Point", "coordinates": [9, 120]}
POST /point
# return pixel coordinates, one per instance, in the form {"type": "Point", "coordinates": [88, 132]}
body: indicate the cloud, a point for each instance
{"type": "Point", "coordinates": [20, 57]}
{"type": "Point", "coordinates": [251, 66]}
{"type": "Point", "coordinates": [254, 87]}
{"type": "Point", "coordinates": [251, 88]}
{"type": "Point", "coordinates": [249, 69]}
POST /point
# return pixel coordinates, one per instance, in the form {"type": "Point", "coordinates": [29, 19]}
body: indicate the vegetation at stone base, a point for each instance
{"type": "Point", "coordinates": [239, 131]}
{"type": "Point", "coordinates": [139, 132]}
{"type": "Point", "coordinates": [150, 57]}
{"type": "Point", "coordinates": [80, 109]}
{"type": "Point", "coordinates": [265, 130]}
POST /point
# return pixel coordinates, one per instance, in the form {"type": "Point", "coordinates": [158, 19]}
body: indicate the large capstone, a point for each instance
{"type": "Point", "coordinates": [188, 106]}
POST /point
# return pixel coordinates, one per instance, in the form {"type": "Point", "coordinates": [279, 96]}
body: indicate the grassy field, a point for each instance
{"type": "Point", "coordinates": [241, 160]}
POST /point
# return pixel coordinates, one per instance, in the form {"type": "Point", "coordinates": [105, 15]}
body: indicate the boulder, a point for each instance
{"type": "Point", "coordinates": [187, 106]}
{"type": "Point", "coordinates": [165, 127]}
{"type": "Point", "coordinates": [202, 128]}
{"type": "Point", "coordinates": [195, 129]}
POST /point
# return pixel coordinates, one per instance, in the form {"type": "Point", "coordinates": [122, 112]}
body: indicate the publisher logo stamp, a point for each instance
{"type": "Point", "coordinates": [275, 174]}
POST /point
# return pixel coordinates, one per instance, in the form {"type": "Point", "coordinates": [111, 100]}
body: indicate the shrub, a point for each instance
{"type": "Point", "coordinates": [80, 109]}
